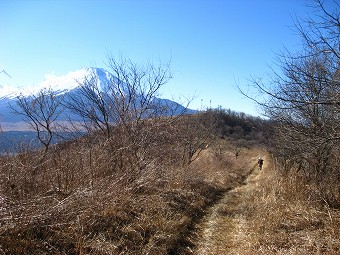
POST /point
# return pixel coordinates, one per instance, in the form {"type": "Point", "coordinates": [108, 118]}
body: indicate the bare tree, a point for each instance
{"type": "Point", "coordinates": [303, 99]}
{"type": "Point", "coordinates": [320, 32]}
{"type": "Point", "coordinates": [40, 111]}
{"type": "Point", "coordinates": [308, 121]}
{"type": "Point", "coordinates": [125, 109]}
{"type": "Point", "coordinates": [197, 132]}
{"type": "Point", "coordinates": [127, 98]}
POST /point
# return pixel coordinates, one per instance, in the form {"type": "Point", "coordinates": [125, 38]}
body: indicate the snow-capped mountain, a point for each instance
{"type": "Point", "coordinates": [61, 84]}
{"type": "Point", "coordinates": [67, 85]}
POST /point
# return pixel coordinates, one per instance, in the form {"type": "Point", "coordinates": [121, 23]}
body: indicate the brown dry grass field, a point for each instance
{"type": "Point", "coordinates": [269, 214]}
{"type": "Point", "coordinates": [219, 204]}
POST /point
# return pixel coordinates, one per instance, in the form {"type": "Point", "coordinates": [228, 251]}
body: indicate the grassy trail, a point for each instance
{"type": "Point", "coordinates": [268, 214]}
{"type": "Point", "coordinates": [223, 229]}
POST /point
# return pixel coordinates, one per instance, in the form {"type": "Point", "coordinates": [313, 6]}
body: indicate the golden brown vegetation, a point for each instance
{"type": "Point", "coordinates": [143, 191]}
{"type": "Point", "coordinates": [97, 196]}
{"type": "Point", "coordinates": [289, 216]}
{"type": "Point", "coordinates": [274, 213]}
{"type": "Point", "coordinates": [297, 207]}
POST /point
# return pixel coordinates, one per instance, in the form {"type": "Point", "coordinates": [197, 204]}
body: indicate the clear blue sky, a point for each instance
{"type": "Point", "coordinates": [212, 43]}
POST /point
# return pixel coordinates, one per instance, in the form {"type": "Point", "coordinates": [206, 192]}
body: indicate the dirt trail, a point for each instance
{"type": "Point", "coordinates": [222, 231]}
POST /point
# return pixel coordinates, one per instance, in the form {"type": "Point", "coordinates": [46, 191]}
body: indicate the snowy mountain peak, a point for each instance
{"type": "Point", "coordinates": [60, 84]}
{"type": "Point", "coordinates": [68, 86]}
{"type": "Point", "coordinates": [73, 80]}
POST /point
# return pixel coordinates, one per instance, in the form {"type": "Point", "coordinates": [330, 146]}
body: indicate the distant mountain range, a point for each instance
{"type": "Point", "coordinates": [65, 86]}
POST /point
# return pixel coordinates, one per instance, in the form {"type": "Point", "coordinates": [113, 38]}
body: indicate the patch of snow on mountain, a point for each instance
{"type": "Point", "coordinates": [8, 91]}
{"type": "Point", "coordinates": [65, 82]}
{"type": "Point", "coordinates": [60, 84]}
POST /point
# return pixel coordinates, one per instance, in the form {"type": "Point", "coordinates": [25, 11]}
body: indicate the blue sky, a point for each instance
{"type": "Point", "coordinates": [213, 44]}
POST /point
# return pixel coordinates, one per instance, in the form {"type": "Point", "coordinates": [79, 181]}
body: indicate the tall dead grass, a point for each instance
{"type": "Point", "coordinates": [78, 200]}
{"type": "Point", "coordinates": [287, 215]}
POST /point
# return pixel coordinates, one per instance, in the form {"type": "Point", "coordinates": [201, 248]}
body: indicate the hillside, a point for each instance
{"type": "Point", "coordinates": [99, 196]}
{"type": "Point", "coordinates": [158, 189]}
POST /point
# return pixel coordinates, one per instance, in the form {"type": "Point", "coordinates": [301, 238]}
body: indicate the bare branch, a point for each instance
{"type": "Point", "coordinates": [40, 112]}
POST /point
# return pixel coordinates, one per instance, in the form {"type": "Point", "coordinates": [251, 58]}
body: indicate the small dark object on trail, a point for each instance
{"type": "Point", "coordinates": [260, 163]}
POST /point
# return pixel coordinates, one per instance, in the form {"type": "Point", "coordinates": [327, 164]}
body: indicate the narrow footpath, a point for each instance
{"type": "Point", "coordinates": [222, 231]}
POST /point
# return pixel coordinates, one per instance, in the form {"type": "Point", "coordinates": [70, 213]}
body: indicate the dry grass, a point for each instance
{"type": "Point", "coordinates": [77, 200]}
{"type": "Point", "coordinates": [81, 198]}
{"type": "Point", "coordinates": [291, 219]}
{"type": "Point", "coordinates": [277, 214]}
